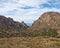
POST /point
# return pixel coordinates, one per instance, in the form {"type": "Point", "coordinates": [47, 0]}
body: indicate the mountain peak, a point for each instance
{"type": "Point", "coordinates": [48, 20]}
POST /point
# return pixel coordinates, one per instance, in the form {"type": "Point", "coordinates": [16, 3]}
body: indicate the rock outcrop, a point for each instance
{"type": "Point", "coordinates": [7, 23]}
{"type": "Point", "coordinates": [48, 20]}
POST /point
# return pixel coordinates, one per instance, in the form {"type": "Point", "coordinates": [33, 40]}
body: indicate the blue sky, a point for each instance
{"type": "Point", "coordinates": [27, 10]}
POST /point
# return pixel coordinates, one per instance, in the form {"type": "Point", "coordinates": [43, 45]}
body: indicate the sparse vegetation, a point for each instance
{"type": "Point", "coordinates": [29, 42]}
{"type": "Point", "coordinates": [49, 32]}
{"type": "Point", "coordinates": [29, 33]}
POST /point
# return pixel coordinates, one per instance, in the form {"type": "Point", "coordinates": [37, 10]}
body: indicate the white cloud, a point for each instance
{"type": "Point", "coordinates": [12, 8]}
{"type": "Point", "coordinates": [7, 7]}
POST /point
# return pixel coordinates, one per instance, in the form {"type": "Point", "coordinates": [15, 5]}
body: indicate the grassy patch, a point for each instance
{"type": "Point", "coordinates": [29, 42]}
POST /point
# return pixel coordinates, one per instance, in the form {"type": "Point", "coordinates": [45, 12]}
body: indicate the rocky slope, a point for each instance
{"type": "Point", "coordinates": [48, 20]}
{"type": "Point", "coordinates": [9, 23]}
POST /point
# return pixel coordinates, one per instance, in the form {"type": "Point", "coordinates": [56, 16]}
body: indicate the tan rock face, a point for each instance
{"type": "Point", "coordinates": [48, 20]}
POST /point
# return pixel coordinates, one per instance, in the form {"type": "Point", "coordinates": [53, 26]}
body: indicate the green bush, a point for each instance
{"type": "Point", "coordinates": [1, 30]}
{"type": "Point", "coordinates": [49, 32]}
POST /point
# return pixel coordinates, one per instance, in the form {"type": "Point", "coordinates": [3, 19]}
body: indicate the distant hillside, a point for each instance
{"type": "Point", "coordinates": [47, 20]}
{"type": "Point", "coordinates": [9, 23]}
{"type": "Point", "coordinates": [29, 24]}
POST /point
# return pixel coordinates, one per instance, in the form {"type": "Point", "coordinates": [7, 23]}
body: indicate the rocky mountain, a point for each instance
{"type": "Point", "coordinates": [46, 25]}
{"type": "Point", "coordinates": [48, 20]}
{"type": "Point", "coordinates": [8, 23]}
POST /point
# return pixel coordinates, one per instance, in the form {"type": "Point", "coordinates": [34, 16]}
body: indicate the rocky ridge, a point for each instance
{"type": "Point", "coordinates": [9, 23]}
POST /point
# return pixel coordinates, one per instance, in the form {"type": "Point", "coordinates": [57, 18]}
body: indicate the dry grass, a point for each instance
{"type": "Point", "coordinates": [29, 42]}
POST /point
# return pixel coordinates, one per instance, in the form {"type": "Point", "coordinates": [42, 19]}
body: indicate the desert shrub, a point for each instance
{"type": "Point", "coordinates": [1, 30]}
{"type": "Point", "coordinates": [49, 32]}
{"type": "Point", "coordinates": [52, 32]}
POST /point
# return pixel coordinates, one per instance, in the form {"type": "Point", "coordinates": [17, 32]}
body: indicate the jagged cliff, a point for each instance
{"type": "Point", "coordinates": [9, 23]}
